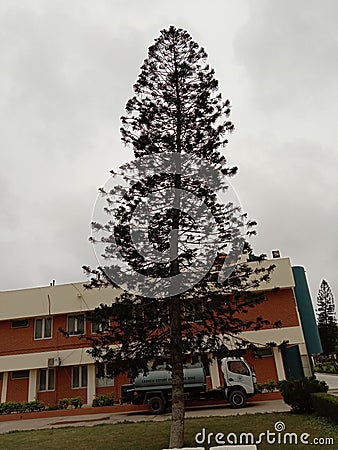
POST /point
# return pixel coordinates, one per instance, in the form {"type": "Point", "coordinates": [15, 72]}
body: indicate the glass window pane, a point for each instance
{"type": "Point", "coordinates": [51, 379]}
{"type": "Point", "coordinates": [84, 376]}
{"type": "Point", "coordinates": [80, 324]}
{"type": "Point", "coordinates": [76, 381]}
{"type": "Point", "coordinates": [71, 324]}
{"type": "Point", "coordinates": [48, 327]}
{"type": "Point", "coordinates": [38, 329]}
{"type": "Point", "coordinates": [43, 380]}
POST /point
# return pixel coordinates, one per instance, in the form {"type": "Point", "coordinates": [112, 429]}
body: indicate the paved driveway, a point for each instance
{"type": "Point", "coordinates": [94, 419]}
{"type": "Point", "coordinates": [331, 380]}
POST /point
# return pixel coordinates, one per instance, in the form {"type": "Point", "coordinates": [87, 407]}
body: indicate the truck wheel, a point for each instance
{"type": "Point", "coordinates": [156, 405]}
{"type": "Point", "coordinates": [237, 399]}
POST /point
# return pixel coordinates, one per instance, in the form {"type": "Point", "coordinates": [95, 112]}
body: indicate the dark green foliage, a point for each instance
{"type": "Point", "coordinates": [297, 393]}
{"type": "Point", "coordinates": [63, 403]}
{"type": "Point", "coordinates": [327, 366]}
{"type": "Point", "coordinates": [176, 108]}
{"type": "Point", "coordinates": [326, 318]}
{"type": "Point", "coordinates": [76, 402]}
{"type": "Point", "coordinates": [104, 400]}
{"type": "Point", "coordinates": [325, 405]}
{"type": "Point", "coordinates": [21, 407]}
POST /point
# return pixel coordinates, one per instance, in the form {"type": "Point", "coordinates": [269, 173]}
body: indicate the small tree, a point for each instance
{"type": "Point", "coordinates": [182, 290]}
{"type": "Point", "coordinates": [326, 318]}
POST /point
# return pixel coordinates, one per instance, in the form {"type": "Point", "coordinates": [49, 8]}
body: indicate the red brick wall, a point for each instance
{"type": "Point", "coordinates": [265, 368]}
{"type": "Point", "coordinates": [17, 390]}
{"type": "Point", "coordinates": [279, 305]}
{"type": "Point", "coordinates": [63, 388]}
{"type": "Point", "coordinates": [21, 340]}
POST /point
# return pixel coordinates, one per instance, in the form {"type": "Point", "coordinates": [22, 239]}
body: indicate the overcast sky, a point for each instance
{"type": "Point", "coordinates": [66, 71]}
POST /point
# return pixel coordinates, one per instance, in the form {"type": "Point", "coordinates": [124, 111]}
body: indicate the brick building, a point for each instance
{"type": "Point", "coordinates": [38, 362]}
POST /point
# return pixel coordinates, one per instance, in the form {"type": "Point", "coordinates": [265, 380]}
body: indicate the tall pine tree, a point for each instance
{"type": "Point", "coordinates": [175, 122]}
{"type": "Point", "coordinates": [326, 318]}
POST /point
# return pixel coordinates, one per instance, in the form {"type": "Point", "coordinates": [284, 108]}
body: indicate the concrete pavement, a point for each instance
{"type": "Point", "coordinates": [330, 379]}
{"type": "Point", "coordinates": [94, 419]}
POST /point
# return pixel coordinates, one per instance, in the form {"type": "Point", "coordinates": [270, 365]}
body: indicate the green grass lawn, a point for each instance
{"type": "Point", "coordinates": [155, 435]}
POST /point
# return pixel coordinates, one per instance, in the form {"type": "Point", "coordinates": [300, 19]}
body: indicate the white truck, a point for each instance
{"type": "Point", "coordinates": [154, 387]}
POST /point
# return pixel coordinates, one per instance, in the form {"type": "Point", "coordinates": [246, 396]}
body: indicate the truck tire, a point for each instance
{"type": "Point", "coordinates": [237, 399]}
{"type": "Point", "coordinates": [156, 405]}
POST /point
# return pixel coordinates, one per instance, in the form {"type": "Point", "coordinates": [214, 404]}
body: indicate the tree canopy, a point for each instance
{"type": "Point", "coordinates": [326, 318]}
{"type": "Point", "coordinates": [174, 232]}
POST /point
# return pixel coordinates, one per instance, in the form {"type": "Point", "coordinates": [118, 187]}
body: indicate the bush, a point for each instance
{"type": "Point", "coordinates": [269, 386]}
{"type": "Point", "coordinates": [103, 400]}
{"type": "Point", "coordinates": [51, 407]}
{"type": "Point", "coordinates": [21, 407]}
{"type": "Point", "coordinates": [325, 405]}
{"type": "Point", "coordinates": [76, 402]}
{"type": "Point", "coordinates": [63, 403]}
{"type": "Point", "coordinates": [297, 393]}
{"type": "Point", "coordinates": [330, 366]}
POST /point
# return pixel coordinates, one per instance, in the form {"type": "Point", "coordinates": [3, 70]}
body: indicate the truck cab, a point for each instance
{"type": "Point", "coordinates": [239, 380]}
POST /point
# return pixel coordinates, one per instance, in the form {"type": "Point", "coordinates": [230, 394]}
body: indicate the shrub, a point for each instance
{"type": "Point", "coordinates": [297, 393]}
{"type": "Point", "coordinates": [51, 407]}
{"type": "Point", "coordinates": [34, 406]}
{"type": "Point", "coordinates": [325, 405]}
{"type": "Point", "coordinates": [330, 366]}
{"type": "Point", "coordinates": [21, 407]}
{"type": "Point", "coordinates": [103, 400]}
{"type": "Point", "coordinates": [63, 403]}
{"type": "Point", "coordinates": [269, 386]}
{"type": "Point", "coordinates": [76, 402]}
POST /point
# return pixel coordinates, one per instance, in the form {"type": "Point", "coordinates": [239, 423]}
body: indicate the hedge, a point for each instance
{"type": "Point", "coordinates": [297, 393]}
{"type": "Point", "coordinates": [325, 405]}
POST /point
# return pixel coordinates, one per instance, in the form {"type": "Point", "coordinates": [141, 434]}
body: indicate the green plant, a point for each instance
{"type": "Point", "coordinates": [103, 400]}
{"type": "Point", "coordinates": [63, 403]}
{"type": "Point", "coordinates": [76, 402]}
{"type": "Point", "coordinates": [297, 393]}
{"type": "Point", "coordinates": [51, 407]}
{"type": "Point", "coordinates": [21, 407]}
{"type": "Point", "coordinates": [325, 405]}
{"type": "Point", "coordinates": [329, 366]}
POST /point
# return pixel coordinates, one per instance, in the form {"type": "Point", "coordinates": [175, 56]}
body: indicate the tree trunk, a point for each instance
{"type": "Point", "coordinates": [178, 409]}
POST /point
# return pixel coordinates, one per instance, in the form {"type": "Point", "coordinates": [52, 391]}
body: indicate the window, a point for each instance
{"type": "Point", "coordinates": [79, 377]}
{"type": "Point", "coordinates": [104, 375]}
{"type": "Point", "coordinates": [193, 311]}
{"type": "Point", "coordinates": [19, 323]}
{"type": "Point", "coordinates": [101, 326]}
{"type": "Point", "coordinates": [238, 367]}
{"type": "Point", "coordinates": [47, 380]}
{"type": "Point", "coordinates": [43, 328]}
{"type": "Point", "coordinates": [263, 352]}
{"type": "Point", "coordinates": [20, 374]}
{"type": "Point", "coordinates": [75, 324]}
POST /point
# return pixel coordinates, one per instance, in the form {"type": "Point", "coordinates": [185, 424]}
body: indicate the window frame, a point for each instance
{"type": "Point", "coordinates": [24, 377]}
{"type": "Point", "coordinates": [26, 325]}
{"type": "Point", "coordinates": [193, 311]}
{"type": "Point", "coordinates": [102, 327]}
{"type": "Point", "coordinates": [81, 369]}
{"type": "Point", "coordinates": [107, 381]}
{"type": "Point", "coordinates": [48, 371]}
{"type": "Point", "coordinates": [76, 331]}
{"type": "Point", "coordinates": [43, 328]}
{"type": "Point", "coordinates": [265, 352]}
